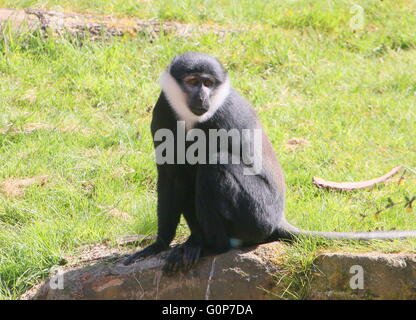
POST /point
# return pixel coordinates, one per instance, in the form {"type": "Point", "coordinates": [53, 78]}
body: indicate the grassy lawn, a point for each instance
{"type": "Point", "coordinates": [76, 117]}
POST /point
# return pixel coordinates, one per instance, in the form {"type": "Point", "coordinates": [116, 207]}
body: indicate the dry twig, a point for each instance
{"type": "Point", "coordinates": [348, 186]}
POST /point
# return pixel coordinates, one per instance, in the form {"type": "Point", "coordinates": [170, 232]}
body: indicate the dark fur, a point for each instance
{"type": "Point", "coordinates": [219, 203]}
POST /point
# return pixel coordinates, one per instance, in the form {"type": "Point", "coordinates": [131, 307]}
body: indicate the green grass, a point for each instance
{"type": "Point", "coordinates": [351, 94]}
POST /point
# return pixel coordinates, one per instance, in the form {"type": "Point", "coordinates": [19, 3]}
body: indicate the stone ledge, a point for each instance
{"type": "Point", "coordinates": [385, 276]}
{"type": "Point", "coordinates": [237, 274]}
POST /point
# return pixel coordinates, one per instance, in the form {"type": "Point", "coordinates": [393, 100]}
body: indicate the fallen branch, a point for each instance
{"type": "Point", "coordinates": [348, 186]}
{"type": "Point", "coordinates": [99, 26]}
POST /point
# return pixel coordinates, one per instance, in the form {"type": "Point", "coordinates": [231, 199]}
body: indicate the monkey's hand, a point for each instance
{"type": "Point", "coordinates": [151, 250]}
{"type": "Point", "coordinates": [182, 257]}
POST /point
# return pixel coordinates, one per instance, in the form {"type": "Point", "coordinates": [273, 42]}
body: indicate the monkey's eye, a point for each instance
{"type": "Point", "coordinates": [208, 83]}
{"type": "Point", "coordinates": [192, 81]}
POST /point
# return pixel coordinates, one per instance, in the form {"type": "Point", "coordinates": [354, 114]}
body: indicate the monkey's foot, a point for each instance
{"type": "Point", "coordinates": [182, 257]}
{"type": "Point", "coordinates": [151, 250]}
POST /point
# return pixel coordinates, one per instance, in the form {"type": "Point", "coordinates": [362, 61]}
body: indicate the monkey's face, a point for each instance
{"type": "Point", "coordinates": [199, 87]}
{"type": "Point", "coordinates": [196, 85]}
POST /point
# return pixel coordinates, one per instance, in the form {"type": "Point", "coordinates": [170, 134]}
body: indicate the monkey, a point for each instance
{"type": "Point", "coordinates": [223, 207]}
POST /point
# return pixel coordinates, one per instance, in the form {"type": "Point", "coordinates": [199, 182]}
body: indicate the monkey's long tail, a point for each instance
{"type": "Point", "coordinates": [289, 232]}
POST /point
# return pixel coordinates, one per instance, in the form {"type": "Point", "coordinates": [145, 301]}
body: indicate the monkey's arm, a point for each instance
{"type": "Point", "coordinates": [168, 214]}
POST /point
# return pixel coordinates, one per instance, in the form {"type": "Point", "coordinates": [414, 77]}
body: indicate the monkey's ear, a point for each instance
{"type": "Point", "coordinates": [224, 69]}
{"type": "Point", "coordinates": [174, 59]}
{"type": "Point", "coordinates": [172, 62]}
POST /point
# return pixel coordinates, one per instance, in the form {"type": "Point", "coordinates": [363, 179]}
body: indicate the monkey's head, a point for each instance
{"type": "Point", "coordinates": [197, 82]}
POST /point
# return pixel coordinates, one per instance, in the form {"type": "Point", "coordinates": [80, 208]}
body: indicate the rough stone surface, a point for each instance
{"type": "Point", "coordinates": [385, 276]}
{"type": "Point", "coordinates": [238, 274]}
{"type": "Point", "coordinates": [98, 273]}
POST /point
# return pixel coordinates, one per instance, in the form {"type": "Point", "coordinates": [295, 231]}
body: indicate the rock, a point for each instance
{"type": "Point", "coordinates": [237, 274]}
{"type": "Point", "coordinates": [252, 273]}
{"type": "Point", "coordinates": [384, 276]}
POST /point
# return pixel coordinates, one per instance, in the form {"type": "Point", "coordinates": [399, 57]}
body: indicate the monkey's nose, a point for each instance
{"type": "Point", "coordinates": [203, 99]}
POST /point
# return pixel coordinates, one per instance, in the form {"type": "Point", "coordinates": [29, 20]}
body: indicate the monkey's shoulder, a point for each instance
{"type": "Point", "coordinates": [163, 116]}
{"type": "Point", "coordinates": [235, 113]}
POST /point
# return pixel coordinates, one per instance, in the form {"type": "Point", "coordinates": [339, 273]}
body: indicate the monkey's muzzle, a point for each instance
{"type": "Point", "coordinates": [199, 106]}
{"type": "Point", "coordinates": [199, 111]}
